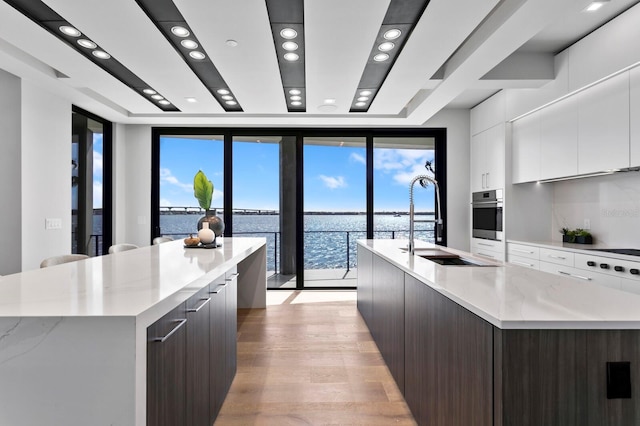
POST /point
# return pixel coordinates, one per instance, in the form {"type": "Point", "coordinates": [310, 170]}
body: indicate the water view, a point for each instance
{"type": "Point", "coordinates": [326, 239]}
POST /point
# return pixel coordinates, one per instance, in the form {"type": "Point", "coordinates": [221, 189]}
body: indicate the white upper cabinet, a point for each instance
{"type": "Point", "coordinates": [559, 139]}
{"type": "Point", "coordinates": [487, 159]}
{"type": "Point", "coordinates": [635, 117]}
{"type": "Point", "coordinates": [603, 125]}
{"type": "Point", "coordinates": [525, 149]}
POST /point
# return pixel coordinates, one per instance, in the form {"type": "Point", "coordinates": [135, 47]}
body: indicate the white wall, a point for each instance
{"type": "Point", "coordinates": [457, 122]}
{"type": "Point", "coordinates": [132, 186]}
{"type": "Point", "coordinates": [46, 174]}
{"type": "Point", "coordinates": [611, 203]}
{"type": "Point", "coordinates": [10, 174]}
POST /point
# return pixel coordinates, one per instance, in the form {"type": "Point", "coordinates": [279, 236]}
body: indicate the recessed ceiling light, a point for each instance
{"type": "Point", "coordinates": [70, 31]}
{"type": "Point", "coordinates": [296, 98]}
{"type": "Point", "coordinates": [366, 93]}
{"type": "Point", "coordinates": [157, 97]}
{"type": "Point", "coordinates": [231, 102]}
{"type": "Point", "coordinates": [363, 99]}
{"type": "Point", "coordinates": [327, 108]}
{"type": "Point", "coordinates": [227, 97]}
{"type": "Point", "coordinates": [392, 34]}
{"type": "Point", "coordinates": [288, 33]}
{"type": "Point", "coordinates": [189, 44]}
{"type": "Point", "coordinates": [329, 101]}
{"type": "Point", "coordinates": [291, 56]}
{"type": "Point", "coordinates": [290, 45]}
{"type": "Point", "coordinates": [380, 57]}
{"type": "Point", "coordinates": [593, 6]}
{"type": "Point", "coordinates": [231, 43]}
{"type": "Point", "coordinates": [101, 54]}
{"type": "Point", "coordinates": [192, 100]}
{"type": "Point", "coordinates": [386, 46]}
{"type": "Point", "coordinates": [294, 92]}
{"type": "Point", "coordinates": [149, 91]}
{"type": "Point", "coordinates": [164, 102]}
{"type": "Point", "coordinates": [296, 103]}
{"type": "Point", "coordinates": [223, 91]}
{"type": "Point", "coordinates": [180, 31]}
{"type": "Point", "coordinates": [196, 54]}
{"type": "Point", "coordinates": [360, 104]}
{"type": "Point", "coordinates": [87, 43]}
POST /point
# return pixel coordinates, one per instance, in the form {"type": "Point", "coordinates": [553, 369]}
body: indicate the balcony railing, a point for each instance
{"type": "Point", "coordinates": [324, 249]}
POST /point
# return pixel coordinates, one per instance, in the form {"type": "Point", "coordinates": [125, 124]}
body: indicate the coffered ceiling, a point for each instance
{"type": "Point", "coordinates": [458, 53]}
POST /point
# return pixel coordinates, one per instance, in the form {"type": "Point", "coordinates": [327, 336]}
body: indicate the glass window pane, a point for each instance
{"type": "Point", "coordinates": [180, 159]}
{"type": "Point", "coordinates": [396, 162]}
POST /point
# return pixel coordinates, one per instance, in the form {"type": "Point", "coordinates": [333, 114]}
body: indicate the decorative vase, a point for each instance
{"type": "Point", "coordinates": [205, 234]}
{"type": "Point", "coordinates": [215, 223]}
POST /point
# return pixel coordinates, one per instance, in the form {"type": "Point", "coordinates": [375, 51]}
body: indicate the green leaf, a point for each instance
{"type": "Point", "coordinates": [202, 190]}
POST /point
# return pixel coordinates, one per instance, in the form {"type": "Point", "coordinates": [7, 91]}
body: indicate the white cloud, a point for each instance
{"type": "Point", "coordinates": [167, 177]}
{"type": "Point", "coordinates": [97, 194]}
{"type": "Point", "coordinates": [404, 164]}
{"type": "Point", "coordinates": [332, 182]}
{"type": "Point", "coordinates": [97, 163]}
{"type": "Point", "coordinates": [357, 158]}
{"type": "Point", "coordinates": [165, 203]}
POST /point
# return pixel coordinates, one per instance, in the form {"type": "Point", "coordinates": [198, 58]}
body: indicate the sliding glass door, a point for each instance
{"type": "Point", "coordinates": [335, 206]}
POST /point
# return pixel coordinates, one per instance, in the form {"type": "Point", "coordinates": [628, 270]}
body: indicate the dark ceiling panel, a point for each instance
{"type": "Point", "coordinates": [404, 11]}
{"type": "Point", "coordinates": [165, 15]}
{"type": "Point", "coordinates": [286, 11]}
{"type": "Point", "coordinates": [48, 19]}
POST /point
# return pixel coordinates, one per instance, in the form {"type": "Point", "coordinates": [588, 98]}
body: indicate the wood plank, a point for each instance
{"type": "Point", "coordinates": [286, 377]}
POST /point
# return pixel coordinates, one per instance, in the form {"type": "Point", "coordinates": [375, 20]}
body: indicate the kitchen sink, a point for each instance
{"type": "Point", "coordinates": [445, 258]}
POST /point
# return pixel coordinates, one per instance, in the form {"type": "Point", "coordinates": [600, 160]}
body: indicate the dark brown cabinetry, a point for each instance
{"type": "Point", "coordinates": [387, 322]}
{"type": "Point", "coordinates": [461, 370]}
{"type": "Point", "coordinates": [198, 358]}
{"type": "Point", "coordinates": [191, 357]}
{"type": "Point", "coordinates": [365, 285]}
{"type": "Point", "coordinates": [166, 369]}
{"type": "Point", "coordinates": [448, 360]}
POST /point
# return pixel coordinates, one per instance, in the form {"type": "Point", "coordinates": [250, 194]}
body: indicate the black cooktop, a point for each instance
{"type": "Point", "coordinates": [628, 252]}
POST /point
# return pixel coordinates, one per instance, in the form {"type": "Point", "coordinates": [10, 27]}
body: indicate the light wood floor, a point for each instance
{"type": "Point", "coordinates": [308, 359]}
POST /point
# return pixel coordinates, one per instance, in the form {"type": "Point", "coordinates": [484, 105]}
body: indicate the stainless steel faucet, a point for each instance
{"type": "Point", "coordinates": [423, 179]}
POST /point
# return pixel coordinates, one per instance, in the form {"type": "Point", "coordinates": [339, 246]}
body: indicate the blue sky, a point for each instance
{"type": "Point", "coordinates": [335, 177]}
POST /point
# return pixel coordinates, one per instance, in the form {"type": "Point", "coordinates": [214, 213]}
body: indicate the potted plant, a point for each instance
{"type": "Point", "coordinates": [203, 191]}
{"type": "Point", "coordinates": [577, 236]}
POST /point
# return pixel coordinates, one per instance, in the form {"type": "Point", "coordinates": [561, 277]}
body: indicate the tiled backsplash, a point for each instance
{"type": "Point", "coordinates": [610, 203]}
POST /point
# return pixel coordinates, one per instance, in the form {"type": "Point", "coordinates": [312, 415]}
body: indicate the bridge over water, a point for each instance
{"type": "Point", "coordinates": [201, 211]}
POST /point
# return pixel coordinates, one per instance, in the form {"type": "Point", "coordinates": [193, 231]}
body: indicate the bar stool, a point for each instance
{"type": "Point", "coordinates": [160, 240]}
{"type": "Point", "coordinates": [65, 258]}
{"type": "Point", "coordinates": [116, 248]}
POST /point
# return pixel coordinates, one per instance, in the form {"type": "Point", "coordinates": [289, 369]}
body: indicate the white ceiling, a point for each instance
{"type": "Point", "coordinates": [460, 53]}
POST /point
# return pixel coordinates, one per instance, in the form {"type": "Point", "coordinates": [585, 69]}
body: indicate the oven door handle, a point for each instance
{"type": "Point", "coordinates": [487, 203]}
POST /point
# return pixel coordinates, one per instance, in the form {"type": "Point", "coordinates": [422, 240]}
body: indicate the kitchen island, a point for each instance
{"type": "Point", "coordinates": [500, 344]}
{"type": "Point", "coordinates": [74, 338]}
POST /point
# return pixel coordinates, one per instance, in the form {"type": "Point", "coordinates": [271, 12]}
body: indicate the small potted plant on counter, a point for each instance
{"type": "Point", "coordinates": [577, 236]}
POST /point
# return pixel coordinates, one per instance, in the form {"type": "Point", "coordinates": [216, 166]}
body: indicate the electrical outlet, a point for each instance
{"type": "Point", "coordinates": [52, 223]}
{"type": "Point", "coordinates": [587, 224]}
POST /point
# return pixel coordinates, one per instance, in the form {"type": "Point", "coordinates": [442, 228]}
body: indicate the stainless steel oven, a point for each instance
{"type": "Point", "coordinates": [486, 209]}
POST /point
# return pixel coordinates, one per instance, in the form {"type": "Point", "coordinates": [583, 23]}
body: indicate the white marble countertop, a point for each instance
{"type": "Point", "coordinates": [513, 297]}
{"type": "Point", "coordinates": [129, 283]}
{"type": "Point", "coordinates": [592, 249]}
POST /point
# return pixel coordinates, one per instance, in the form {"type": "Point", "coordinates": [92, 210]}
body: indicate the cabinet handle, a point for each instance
{"type": "Point", "coordinates": [530, 265]}
{"type": "Point", "coordinates": [233, 277]}
{"type": "Point", "coordinates": [180, 322]}
{"type": "Point", "coordinates": [218, 289]}
{"type": "Point", "coordinates": [486, 255]}
{"type": "Point", "coordinates": [485, 244]}
{"type": "Point", "coordinates": [575, 276]}
{"type": "Point", "coordinates": [488, 180]}
{"type": "Point", "coordinates": [557, 257]}
{"type": "Point", "coordinates": [522, 251]}
{"type": "Point", "coordinates": [207, 300]}
{"type": "Point", "coordinates": [483, 180]}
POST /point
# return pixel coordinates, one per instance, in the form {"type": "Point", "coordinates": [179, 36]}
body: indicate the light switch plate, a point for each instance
{"type": "Point", "coordinates": [53, 223]}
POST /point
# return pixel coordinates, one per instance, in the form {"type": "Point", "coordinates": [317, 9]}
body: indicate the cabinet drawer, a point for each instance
{"type": "Point", "coordinates": [524, 261]}
{"type": "Point", "coordinates": [556, 256]}
{"type": "Point", "coordinates": [479, 244]}
{"type": "Point", "coordinates": [520, 250]}
{"type": "Point", "coordinates": [581, 275]}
